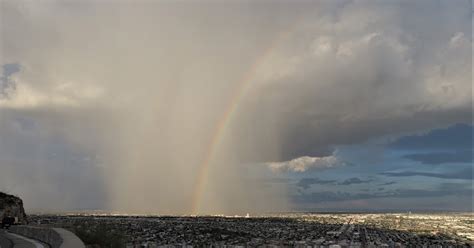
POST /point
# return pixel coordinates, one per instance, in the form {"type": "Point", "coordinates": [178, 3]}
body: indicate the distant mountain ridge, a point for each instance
{"type": "Point", "coordinates": [12, 206]}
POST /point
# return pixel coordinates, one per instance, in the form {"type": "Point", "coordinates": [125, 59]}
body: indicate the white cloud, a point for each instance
{"type": "Point", "coordinates": [24, 96]}
{"type": "Point", "coordinates": [305, 163]}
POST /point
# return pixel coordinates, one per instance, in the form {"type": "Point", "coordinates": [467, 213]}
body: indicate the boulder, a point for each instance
{"type": "Point", "coordinates": [12, 206]}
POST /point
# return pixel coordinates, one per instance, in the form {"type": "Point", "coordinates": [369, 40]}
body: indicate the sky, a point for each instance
{"type": "Point", "coordinates": [231, 107]}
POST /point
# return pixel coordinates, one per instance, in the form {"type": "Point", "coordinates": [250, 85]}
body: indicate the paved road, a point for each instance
{"type": "Point", "coordinates": [10, 240]}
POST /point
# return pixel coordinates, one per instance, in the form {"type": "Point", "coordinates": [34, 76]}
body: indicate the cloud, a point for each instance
{"type": "Point", "coordinates": [441, 190]}
{"type": "Point", "coordinates": [409, 193]}
{"type": "Point", "coordinates": [436, 158]}
{"type": "Point", "coordinates": [7, 85]}
{"type": "Point", "coordinates": [15, 94]}
{"type": "Point", "coordinates": [462, 174]}
{"type": "Point", "coordinates": [456, 137]}
{"type": "Point", "coordinates": [139, 86]}
{"type": "Point", "coordinates": [354, 180]}
{"type": "Point", "coordinates": [306, 183]}
{"type": "Point", "coordinates": [349, 82]}
{"type": "Point", "coordinates": [49, 168]}
{"type": "Point", "coordinates": [305, 163]}
{"type": "Point", "coordinates": [145, 86]}
{"type": "Point", "coordinates": [10, 69]}
{"type": "Point", "coordinates": [277, 180]}
{"type": "Point", "coordinates": [387, 183]}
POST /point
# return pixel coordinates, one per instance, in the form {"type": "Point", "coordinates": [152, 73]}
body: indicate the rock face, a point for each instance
{"type": "Point", "coordinates": [12, 206]}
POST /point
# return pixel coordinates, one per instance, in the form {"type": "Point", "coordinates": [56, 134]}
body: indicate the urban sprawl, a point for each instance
{"type": "Point", "coordinates": [296, 230]}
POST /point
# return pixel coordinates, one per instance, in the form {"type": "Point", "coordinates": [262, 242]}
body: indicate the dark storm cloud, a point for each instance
{"type": "Point", "coordinates": [442, 157]}
{"type": "Point", "coordinates": [465, 174]}
{"type": "Point", "coordinates": [363, 83]}
{"type": "Point", "coordinates": [448, 145]}
{"type": "Point", "coordinates": [456, 137]}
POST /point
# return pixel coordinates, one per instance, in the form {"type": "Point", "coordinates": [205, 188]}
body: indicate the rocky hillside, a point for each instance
{"type": "Point", "coordinates": [12, 206]}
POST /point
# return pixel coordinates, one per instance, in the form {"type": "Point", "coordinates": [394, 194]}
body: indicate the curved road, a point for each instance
{"type": "Point", "coordinates": [10, 240]}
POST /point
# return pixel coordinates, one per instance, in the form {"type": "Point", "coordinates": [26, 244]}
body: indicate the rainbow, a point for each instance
{"type": "Point", "coordinates": [226, 119]}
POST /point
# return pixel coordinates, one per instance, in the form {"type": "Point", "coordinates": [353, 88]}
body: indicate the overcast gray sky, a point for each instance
{"type": "Point", "coordinates": [306, 105]}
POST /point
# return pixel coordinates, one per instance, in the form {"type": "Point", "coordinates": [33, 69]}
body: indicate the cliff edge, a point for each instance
{"type": "Point", "coordinates": [12, 206]}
